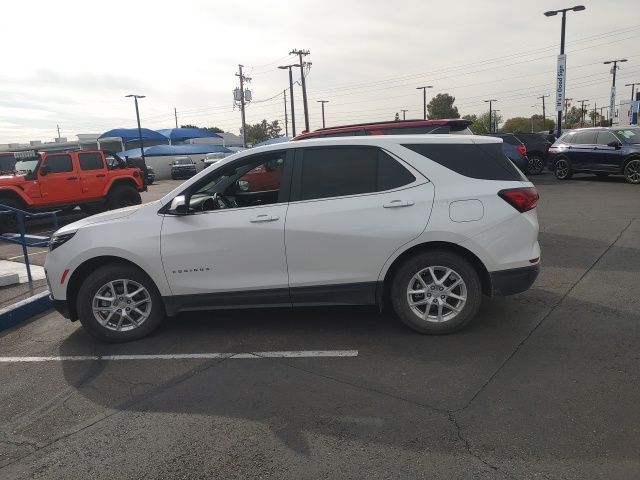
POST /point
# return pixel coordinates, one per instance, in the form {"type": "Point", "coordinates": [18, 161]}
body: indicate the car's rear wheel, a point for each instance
{"type": "Point", "coordinates": [632, 171]}
{"type": "Point", "coordinates": [9, 221]}
{"type": "Point", "coordinates": [436, 292]}
{"type": "Point", "coordinates": [118, 303]}
{"type": "Point", "coordinates": [535, 165]}
{"type": "Point", "coordinates": [123, 196]}
{"type": "Point", "coordinates": [562, 169]}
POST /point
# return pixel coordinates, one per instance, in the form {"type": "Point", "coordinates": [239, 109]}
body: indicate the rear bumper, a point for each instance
{"type": "Point", "coordinates": [514, 280]}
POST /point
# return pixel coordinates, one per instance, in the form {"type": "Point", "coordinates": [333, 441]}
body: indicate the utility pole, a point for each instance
{"type": "Point", "coordinates": [293, 107]}
{"type": "Point", "coordinates": [424, 98]}
{"type": "Point", "coordinates": [612, 102]}
{"type": "Point", "coordinates": [58, 127]}
{"type": "Point", "coordinates": [601, 114]}
{"type": "Point", "coordinates": [567, 102]}
{"type": "Point", "coordinates": [323, 102]}
{"type": "Point", "coordinates": [286, 118]}
{"type": "Point", "coordinates": [490, 102]}
{"type": "Point", "coordinates": [303, 53]}
{"type": "Point", "coordinates": [242, 104]}
{"type": "Point", "coordinates": [595, 114]}
{"type": "Point", "coordinates": [561, 80]}
{"type": "Point", "coordinates": [544, 113]}
{"type": "Point", "coordinates": [175, 114]}
{"type": "Point", "coordinates": [632, 85]}
{"type": "Point", "coordinates": [135, 99]}
{"type": "Point", "coordinates": [582, 111]}
{"type": "Point", "coordinates": [404, 114]}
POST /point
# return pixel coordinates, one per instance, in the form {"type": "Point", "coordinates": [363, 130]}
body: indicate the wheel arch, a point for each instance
{"type": "Point", "coordinates": [13, 193]}
{"type": "Point", "coordinates": [478, 265]}
{"type": "Point", "coordinates": [85, 269]}
{"type": "Point", "coordinates": [116, 182]}
{"type": "Point", "coordinates": [633, 156]}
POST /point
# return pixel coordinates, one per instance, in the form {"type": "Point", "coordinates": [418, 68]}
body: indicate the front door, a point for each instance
{"type": "Point", "coordinates": [61, 183]}
{"type": "Point", "coordinates": [351, 209]}
{"type": "Point", "coordinates": [93, 175]}
{"type": "Point", "coordinates": [609, 158]}
{"type": "Point", "coordinates": [229, 250]}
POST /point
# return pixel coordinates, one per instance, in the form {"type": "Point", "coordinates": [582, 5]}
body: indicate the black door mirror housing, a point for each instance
{"type": "Point", "coordinates": [44, 170]}
{"type": "Point", "coordinates": [615, 144]}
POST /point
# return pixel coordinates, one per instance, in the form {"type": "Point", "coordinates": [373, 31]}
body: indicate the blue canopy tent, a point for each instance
{"type": "Point", "coordinates": [131, 134]}
{"type": "Point", "coordinates": [272, 141]}
{"type": "Point", "coordinates": [182, 134]}
{"type": "Point", "coordinates": [173, 150]}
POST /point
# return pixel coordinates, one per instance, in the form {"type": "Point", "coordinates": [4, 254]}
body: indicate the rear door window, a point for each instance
{"type": "Point", "coordinates": [584, 138]}
{"type": "Point", "coordinates": [59, 163]}
{"type": "Point", "coordinates": [483, 160]}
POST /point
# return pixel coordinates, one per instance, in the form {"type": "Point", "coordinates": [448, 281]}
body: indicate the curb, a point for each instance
{"type": "Point", "coordinates": [24, 310]}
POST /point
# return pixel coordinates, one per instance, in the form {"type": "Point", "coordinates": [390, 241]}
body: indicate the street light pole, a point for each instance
{"type": "Point", "coordinates": [323, 102]}
{"type": "Point", "coordinates": [553, 13]}
{"type": "Point", "coordinates": [293, 108]}
{"type": "Point", "coordinates": [490, 102]}
{"type": "Point", "coordinates": [632, 85]}
{"type": "Point", "coordinates": [135, 99]}
{"type": "Point", "coordinates": [612, 102]}
{"type": "Point", "coordinates": [424, 98]}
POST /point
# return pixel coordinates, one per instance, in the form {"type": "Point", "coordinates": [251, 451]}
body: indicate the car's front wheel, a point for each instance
{"type": "Point", "coordinates": [436, 292]}
{"type": "Point", "coordinates": [535, 165]}
{"type": "Point", "coordinates": [562, 169]}
{"type": "Point", "coordinates": [632, 171]}
{"type": "Point", "coordinates": [118, 303]}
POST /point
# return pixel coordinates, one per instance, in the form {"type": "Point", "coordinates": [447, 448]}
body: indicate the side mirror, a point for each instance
{"type": "Point", "coordinates": [179, 205]}
{"type": "Point", "coordinates": [615, 144]}
{"type": "Point", "coordinates": [44, 170]}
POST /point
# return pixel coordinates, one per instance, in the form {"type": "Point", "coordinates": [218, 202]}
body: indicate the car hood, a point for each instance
{"type": "Point", "coordinates": [111, 215]}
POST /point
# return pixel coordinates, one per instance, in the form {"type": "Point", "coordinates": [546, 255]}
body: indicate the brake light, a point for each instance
{"type": "Point", "coordinates": [522, 149]}
{"type": "Point", "coordinates": [522, 199]}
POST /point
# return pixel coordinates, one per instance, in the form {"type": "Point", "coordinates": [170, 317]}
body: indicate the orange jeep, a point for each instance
{"type": "Point", "coordinates": [92, 179]}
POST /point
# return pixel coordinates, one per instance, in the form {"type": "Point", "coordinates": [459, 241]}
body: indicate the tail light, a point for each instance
{"type": "Point", "coordinates": [522, 199]}
{"type": "Point", "coordinates": [522, 149]}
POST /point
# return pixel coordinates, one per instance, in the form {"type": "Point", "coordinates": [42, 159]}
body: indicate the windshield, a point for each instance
{"type": "Point", "coordinates": [629, 135]}
{"type": "Point", "coordinates": [27, 166]}
{"type": "Point", "coordinates": [182, 161]}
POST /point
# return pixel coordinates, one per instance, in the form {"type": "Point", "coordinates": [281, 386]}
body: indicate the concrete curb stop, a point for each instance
{"type": "Point", "coordinates": [24, 310]}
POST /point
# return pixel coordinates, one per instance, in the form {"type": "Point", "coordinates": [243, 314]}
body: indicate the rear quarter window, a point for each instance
{"type": "Point", "coordinates": [483, 161]}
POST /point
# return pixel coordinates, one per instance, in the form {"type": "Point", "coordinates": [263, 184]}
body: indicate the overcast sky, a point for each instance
{"type": "Point", "coordinates": [71, 62]}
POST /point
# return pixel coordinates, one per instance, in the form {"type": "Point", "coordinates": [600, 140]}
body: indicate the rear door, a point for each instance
{"type": "Point", "coordinates": [61, 183]}
{"type": "Point", "coordinates": [581, 152]}
{"type": "Point", "coordinates": [93, 174]}
{"type": "Point", "coordinates": [351, 208]}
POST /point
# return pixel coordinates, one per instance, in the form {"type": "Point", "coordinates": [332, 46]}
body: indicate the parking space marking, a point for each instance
{"type": "Point", "coordinates": [17, 257]}
{"type": "Point", "coordinates": [186, 356]}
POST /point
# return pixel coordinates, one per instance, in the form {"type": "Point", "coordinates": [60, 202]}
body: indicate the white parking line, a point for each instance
{"type": "Point", "coordinates": [17, 257]}
{"type": "Point", "coordinates": [186, 356]}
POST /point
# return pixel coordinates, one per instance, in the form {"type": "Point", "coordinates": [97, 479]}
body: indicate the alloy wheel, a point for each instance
{"type": "Point", "coordinates": [632, 171]}
{"type": "Point", "coordinates": [121, 305]}
{"type": "Point", "coordinates": [562, 169]}
{"type": "Point", "coordinates": [437, 294]}
{"type": "Point", "coordinates": [535, 165]}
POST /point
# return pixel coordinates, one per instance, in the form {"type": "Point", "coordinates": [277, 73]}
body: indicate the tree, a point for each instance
{"type": "Point", "coordinates": [481, 123]}
{"type": "Point", "coordinates": [524, 124]}
{"type": "Point", "coordinates": [441, 106]}
{"type": "Point", "coordinates": [262, 131]}
{"type": "Point", "coordinates": [472, 118]}
{"type": "Point", "coordinates": [208, 129]}
{"type": "Point", "coordinates": [573, 117]}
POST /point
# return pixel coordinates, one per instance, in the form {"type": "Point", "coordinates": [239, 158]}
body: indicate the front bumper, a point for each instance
{"type": "Point", "coordinates": [61, 306]}
{"type": "Point", "coordinates": [514, 280]}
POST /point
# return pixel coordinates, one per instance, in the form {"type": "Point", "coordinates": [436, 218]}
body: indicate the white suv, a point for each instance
{"type": "Point", "coordinates": [426, 223]}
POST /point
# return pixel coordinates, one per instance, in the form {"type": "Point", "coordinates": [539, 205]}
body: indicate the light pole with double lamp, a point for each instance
{"type": "Point", "coordinates": [562, 61]}
{"type": "Point", "coordinates": [135, 99]}
{"type": "Point", "coordinates": [490, 102]}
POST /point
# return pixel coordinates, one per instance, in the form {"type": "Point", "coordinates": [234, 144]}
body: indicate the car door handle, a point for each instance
{"type": "Point", "coordinates": [72, 178]}
{"type": "Point", "coordinates": [100, 175]}
{"type": "Point", "coordinates": [264, 218]}
{"type": "Point", "coordinates": [398, 203]}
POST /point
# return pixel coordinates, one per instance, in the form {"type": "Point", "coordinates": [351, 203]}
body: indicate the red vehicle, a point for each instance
{"type": "Point", "coordinates": [401, 127]}
{"type": "Point", "coordinates": [92, 179]}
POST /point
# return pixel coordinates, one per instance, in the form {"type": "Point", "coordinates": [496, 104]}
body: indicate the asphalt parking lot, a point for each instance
{"type": "Point", "coordinates": [545, 384]}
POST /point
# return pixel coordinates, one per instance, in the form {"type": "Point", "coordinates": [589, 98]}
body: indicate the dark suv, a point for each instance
{"type": "Point", "coordinates": [514, 149]}
{"type": "Point", "coordinates": [537, 151]}
{"type": "Point", "coordinates": [401, 127]}
{"type": "Point", "coordinates": [602, 151]}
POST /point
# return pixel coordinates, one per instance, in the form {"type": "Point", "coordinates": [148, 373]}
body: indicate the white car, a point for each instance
{"type": "Point", "coordinates": [426, 223]}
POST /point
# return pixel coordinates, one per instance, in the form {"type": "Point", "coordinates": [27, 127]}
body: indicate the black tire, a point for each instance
{"type": "Point", "coordinates": [9, 221]}
{"type": "Point", "coordinates": [632, 171]}
{"type": "Point", "coordinates": [535, 165]}
{"type": "Point", "coordinates": [113, 273]}
{"type": "Point", "coordinates": [123, 196]}
{"type": "Point", "coordinates": [562, 169]}
{"type": "Point", "coordinates": [438, 259]}
{"type": "Point", "coordinates": [93, 208]}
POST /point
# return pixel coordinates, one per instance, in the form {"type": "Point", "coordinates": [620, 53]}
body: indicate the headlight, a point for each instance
{"type": "Point", "coordinates": [60, 239]}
